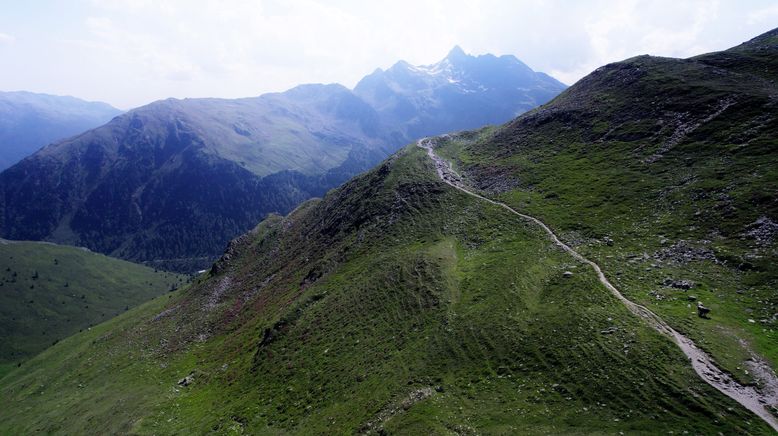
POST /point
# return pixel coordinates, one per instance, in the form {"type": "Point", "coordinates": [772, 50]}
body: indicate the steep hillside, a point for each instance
{"type": "Point", "coordinates": [48, 292]}
{"type": "Point", "coordinates": [396, 304]}
{"type": "Point", "coordinates": [459, 92]}
{"type": "Point", "coordinates": [664, 171]}
{"type": "Point", "coordinates": [171, 182]}
{"type": "Point", "coordinates": [29, 121]}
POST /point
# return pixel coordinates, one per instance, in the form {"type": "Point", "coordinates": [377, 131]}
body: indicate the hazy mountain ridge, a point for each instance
{"type": "Point", "coordinates": [162, 181]}
{"type": "Point", "coordinates": [459, 92]}
{"type": "Point", "coordinates": [176, 179]}
{"type": "Point", "coordinates": [28, 121]}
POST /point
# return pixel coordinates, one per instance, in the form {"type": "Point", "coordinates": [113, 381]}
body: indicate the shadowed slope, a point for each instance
{"type": "Point", "coordinates": [176, 179]}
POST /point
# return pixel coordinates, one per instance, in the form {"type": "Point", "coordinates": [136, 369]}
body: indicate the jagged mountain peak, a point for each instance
{"type": "Point", "coordinates": [458, 64]}
{"type": "Point", "coordinates": [456, 53]}
{"type": "Point", "coordinates": [448, 91]}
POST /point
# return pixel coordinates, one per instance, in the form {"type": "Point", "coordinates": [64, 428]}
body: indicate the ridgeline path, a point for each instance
{"type": "Point", "coordinates": [748, 396]}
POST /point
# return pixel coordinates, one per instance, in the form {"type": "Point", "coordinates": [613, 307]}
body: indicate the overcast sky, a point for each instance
{"type": "Point", "coordinates": [131, 52]}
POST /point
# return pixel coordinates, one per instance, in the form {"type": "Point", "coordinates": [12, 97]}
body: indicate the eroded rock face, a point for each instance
{"type": "Point", "coordinates": [232, 250]}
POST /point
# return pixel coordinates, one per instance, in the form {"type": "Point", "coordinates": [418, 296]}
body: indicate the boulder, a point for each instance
{"type": "Point", "coordinates": [702, 311]}
{"type": "Point", "coordinates": [186, 381]}
{"type": "Point", "coordinates": [679, 284]}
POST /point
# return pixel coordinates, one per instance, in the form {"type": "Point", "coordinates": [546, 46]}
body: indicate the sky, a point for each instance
{"type": "Point", "coordinates": [131, 52]}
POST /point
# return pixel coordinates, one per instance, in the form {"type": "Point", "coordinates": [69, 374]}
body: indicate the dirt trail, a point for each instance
{"type": "Point", "coordinates": [752, 399]}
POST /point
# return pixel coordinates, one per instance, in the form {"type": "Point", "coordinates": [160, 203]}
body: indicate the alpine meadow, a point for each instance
{"type": "Point", "coordinates": [463, 247]}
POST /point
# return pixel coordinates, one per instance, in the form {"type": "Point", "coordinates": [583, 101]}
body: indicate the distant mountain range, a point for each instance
{"type": "Point", "coordinates": [28, 121]}
{"type": "Point", "coordinates": [459, 92]}
{"type": "Point", "coordinates": [171, 182]}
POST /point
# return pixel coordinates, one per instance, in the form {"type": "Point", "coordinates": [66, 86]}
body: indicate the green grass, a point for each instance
{"type": "Point", "coordinates": [48, 292]}
{"type": "Point", "coordinates": [585, 170]}
{"type": "Point", "coordinates": [395, 302]}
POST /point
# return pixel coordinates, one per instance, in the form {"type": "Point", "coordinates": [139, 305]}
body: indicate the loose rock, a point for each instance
{"type": "Point", "coordinates": [188, 380]}
{"type": "Point", "coordinates": [679, 284]}
{"type": "Point", "coordinates": [702, 311]}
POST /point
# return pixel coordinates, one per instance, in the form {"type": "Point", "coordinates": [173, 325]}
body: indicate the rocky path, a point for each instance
{"type": "Point", "coordinates": [748, 396]}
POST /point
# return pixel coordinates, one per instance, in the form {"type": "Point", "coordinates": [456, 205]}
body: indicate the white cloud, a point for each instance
{"type": "Point", "coordinates": [766, 14]}
{"type": "Point", "coordinates": [6, 39]}
{"type": "Point", "coordinates": [130, 52]}
{"type": "Point", "coordinates": [630, 28]}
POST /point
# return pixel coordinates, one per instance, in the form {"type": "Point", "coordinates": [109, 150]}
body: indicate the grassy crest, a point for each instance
{"type": "Point", "coordinates": [394, 303]}
{"type": "Point", "coordinates": [662, 171]}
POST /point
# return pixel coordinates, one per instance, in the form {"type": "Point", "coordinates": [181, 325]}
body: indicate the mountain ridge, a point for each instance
{"type": "Point", "coordinates": [177, 179]}
{"type": "Point", "coordinates": [433, 99]}
{"type": "Point", "coordinates": [29, 121]}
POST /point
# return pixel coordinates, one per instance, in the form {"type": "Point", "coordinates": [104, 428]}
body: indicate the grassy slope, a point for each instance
{"type": "Point", "coordinates": [73, 289]}
{"type": "Point", "coordinates": [595, 164]}
{"type": "Point", "coordinates": [395, 302]}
